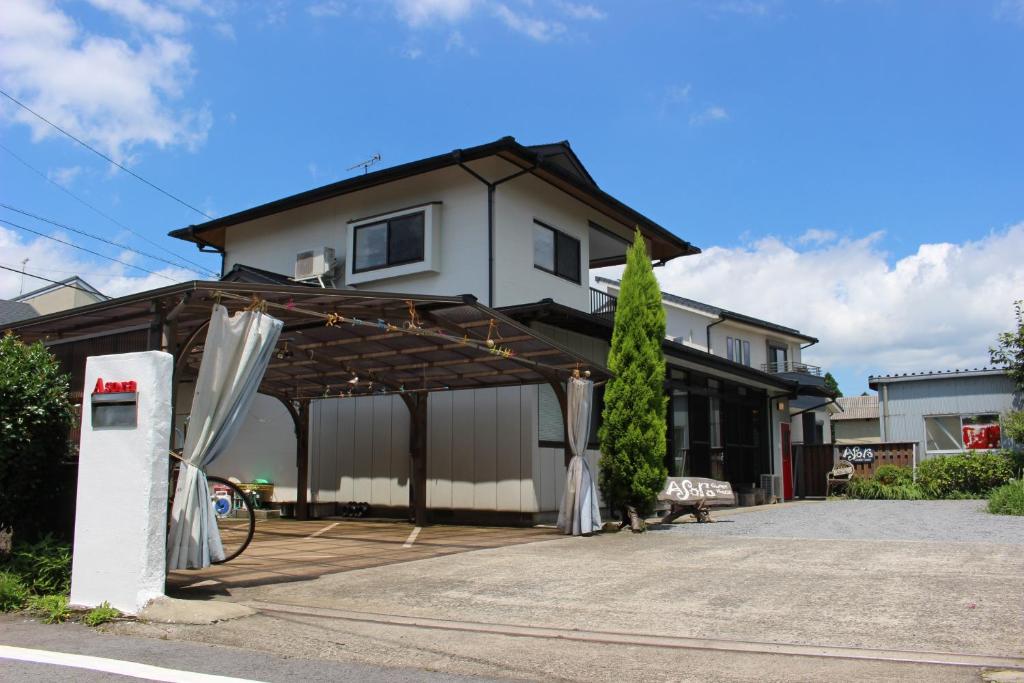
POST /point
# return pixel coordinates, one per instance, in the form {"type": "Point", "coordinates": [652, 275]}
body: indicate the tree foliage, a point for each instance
{"type": "Point", "coordinates": [632, 432]}
{"type": "Point", "coordinates": [832, 385]}
{"type": "Point", "coordinates": [1009, 350]}
{"type": "Point", "coordinates": [35, 415]}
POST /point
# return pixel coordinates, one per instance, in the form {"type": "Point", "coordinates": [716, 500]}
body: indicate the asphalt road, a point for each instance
{"type": "Point", "coordinates": [185, 657]}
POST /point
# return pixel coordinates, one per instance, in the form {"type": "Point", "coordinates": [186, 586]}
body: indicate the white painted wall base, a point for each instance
{"type": "Point", "coordinates": [121, 517]}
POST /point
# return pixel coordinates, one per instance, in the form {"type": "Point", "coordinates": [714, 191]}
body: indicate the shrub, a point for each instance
{"type": "Point", "coordinates": [873, 489]}
{"type": "Point", "coordinates": [968, 475]}
{"type": "Point", "coordinates": [44, 566]}
{"type": "Point", "coordinates": [35, 415]}
{"type": "Point", "coordinates": [1008, 499]}
{"type": "Point", "coordinates": [893, 474]}
{"type": "Point", "coordinates": [13, 592]}
{"type": "Point", "coordinates": [52, 608]}
{"type": "Point", "coordinates": [101, 615]}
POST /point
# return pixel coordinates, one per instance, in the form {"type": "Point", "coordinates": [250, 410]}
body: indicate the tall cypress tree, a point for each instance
{"type": "Point", "coordinates": [632, 432]}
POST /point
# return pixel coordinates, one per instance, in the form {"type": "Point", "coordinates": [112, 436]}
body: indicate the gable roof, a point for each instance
{"type": "Point", "coordinates": [856, 408]}
{"type": "Point", "coordinates": [554, 163]}
{"type": "Point", "coordinates": [74, 282]}
{"type": "Point", "coordinates": [13, 311]}
{"type": "Point", "coordinates": [724, 314]}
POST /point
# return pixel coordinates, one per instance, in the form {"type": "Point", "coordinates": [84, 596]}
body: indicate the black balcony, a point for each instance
{"type": "Point", "coordinates": [602, 304]}
{"type": "Point", "coordinates": [791, 367]}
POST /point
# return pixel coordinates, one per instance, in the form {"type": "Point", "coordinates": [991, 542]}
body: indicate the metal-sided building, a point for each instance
{"type": "Point", "coordinates": [947, 411]}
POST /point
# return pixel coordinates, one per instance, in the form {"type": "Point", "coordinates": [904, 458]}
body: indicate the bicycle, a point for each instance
{"type": "Point", "coordinates": [232, 508]}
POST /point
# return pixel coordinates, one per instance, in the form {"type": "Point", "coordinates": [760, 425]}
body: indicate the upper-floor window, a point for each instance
{"type": "Point", "coordinates": [391, 242]}
{"type": "Point", "coordinates": [737, 350]}
{"type": "Point", "coordinates": [556, 252]}
{"type": "Point", "coordinates": [777, 357]}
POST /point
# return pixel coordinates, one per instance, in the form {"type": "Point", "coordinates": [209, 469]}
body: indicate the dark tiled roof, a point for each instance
{"type": "Point", "coordinates": [13, 311]}
{"type": "Point", "coordinates": [250, 274]}
{"type": "Point", "coordinates": [723, 313]}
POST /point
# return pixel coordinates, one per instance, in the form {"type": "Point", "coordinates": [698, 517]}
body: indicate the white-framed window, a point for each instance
{"type": "Point", "coordinates": [957, 433]}
{"type": "Point", "coordinates": [401, 242]}
{"type": "Point", "coordinates": [556, 252]}
{"type": "Point", "coordinates": [737, 350]}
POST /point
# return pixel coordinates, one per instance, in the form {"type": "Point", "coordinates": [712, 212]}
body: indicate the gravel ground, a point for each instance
{"type": "Point", "coordinates": [959, 521]}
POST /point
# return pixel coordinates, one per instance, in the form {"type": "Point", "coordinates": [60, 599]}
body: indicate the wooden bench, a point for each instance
{"type": "Point", "coordinates": [695, 496]}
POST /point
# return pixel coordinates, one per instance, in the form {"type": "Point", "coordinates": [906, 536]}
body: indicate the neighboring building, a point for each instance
{"type": "Point", "coordinates": [13, 311]}
{"type": "Point", "coordinates": [946, 411]}
{"type": "Point", "coordinates": [856, 420]}
{"type": "Point", "coordinates": [60, 296]}
{"type": "Point", "coordinates": [520, 228]}
{"type": "Point", "coordinates": [767, 346]}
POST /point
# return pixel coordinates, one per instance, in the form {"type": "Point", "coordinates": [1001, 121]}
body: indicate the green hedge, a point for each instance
{"type": "Point", "coordinates": [971, 475]}
{"type": "Point", "coordinates": [1008, 499]}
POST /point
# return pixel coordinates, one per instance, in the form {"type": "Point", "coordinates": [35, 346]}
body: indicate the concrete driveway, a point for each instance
{"type": "Point", "coordinates": [681, 603]}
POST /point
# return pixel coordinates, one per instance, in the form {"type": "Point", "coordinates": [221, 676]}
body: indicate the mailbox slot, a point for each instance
{"type": "Point", "coordinates": [115, 410]}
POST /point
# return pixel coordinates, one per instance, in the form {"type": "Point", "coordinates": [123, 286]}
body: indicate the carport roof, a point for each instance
{"type": "Point", "coordinates": [337, 342]}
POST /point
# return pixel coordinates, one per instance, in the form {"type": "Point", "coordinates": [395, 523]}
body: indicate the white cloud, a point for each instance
{"type": "Point", "coordinates": [708, 115]}
{"type": "Point", "coordinates": [115, 95]}
{"type": "Point", "coordinates": [675, 94]}
{"type": "Point", "coordinates": [225, 30]}
{"type": "Point", "coordinates": [146, 16]}
{"type": "Point", "coordinates": [64, 176]}
{"type": "Point", "coordinates": [1010, 10]}
{"type": "Point", "coordinates": [745, 7]}
{"type": "Point", "coordinates": [541, 30]}
{"type": "Point", "coordinates": [328, 8]}
{"type": "Point", "coordinates": [939, 307]}
{"type": "Point", "coordinates": [420, 12]}
{"type": "Point", "coordinates": [412, 53]}
{"type": "Point", "coordinates": [582, 11]}
{"type": "Point", "coordinates": [816, 236]}
{"type": "Point", "coordinates": [57, 262]}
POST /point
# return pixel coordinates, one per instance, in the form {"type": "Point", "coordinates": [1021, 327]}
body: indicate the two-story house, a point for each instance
{"type": "Point", "coordinates": [519, 227]}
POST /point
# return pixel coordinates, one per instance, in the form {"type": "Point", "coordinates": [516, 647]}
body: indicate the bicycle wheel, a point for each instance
{"type": "Point", "coordinates": [236, 519]}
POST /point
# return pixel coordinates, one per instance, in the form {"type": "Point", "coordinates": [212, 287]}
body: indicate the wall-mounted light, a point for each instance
{"type": "Point", "coordinates": [781, 406]}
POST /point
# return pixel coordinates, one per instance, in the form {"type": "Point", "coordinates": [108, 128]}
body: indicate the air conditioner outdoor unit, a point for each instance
{"type": "Point", "coordinates": [315, 264]}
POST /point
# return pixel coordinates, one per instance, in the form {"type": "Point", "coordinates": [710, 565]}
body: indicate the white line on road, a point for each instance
{"type": "Point", "coordinates": [113, 666]}
{"type": "Point", "coordinates": [412, 538]}
{"type": "Point", "coordinates": [324, 530]}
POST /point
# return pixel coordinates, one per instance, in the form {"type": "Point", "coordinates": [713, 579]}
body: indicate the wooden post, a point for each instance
{"type": "Point", "coordinates": [302, 462]}
{"type": "Point", "coordinates": [417, 405]}
{"type": "Point", "coordinates": [300, 419]}
{"type": "Point", "coordinates": [563, 403]}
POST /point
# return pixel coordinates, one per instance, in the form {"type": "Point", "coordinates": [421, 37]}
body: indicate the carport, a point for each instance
{"type": "Point", "coordinates": [335, 344]}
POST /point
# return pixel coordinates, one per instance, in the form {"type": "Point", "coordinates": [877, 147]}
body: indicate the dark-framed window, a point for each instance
{"type": "Point", "coordinates": [389, 242]}
{"type": "Point", "coordinates": [556, 252]}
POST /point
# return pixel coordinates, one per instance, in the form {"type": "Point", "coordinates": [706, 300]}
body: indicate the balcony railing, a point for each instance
{"type": "Point", "coordinates": [602, 304]}
{"type": "Point", "coordinates": [792, 366]}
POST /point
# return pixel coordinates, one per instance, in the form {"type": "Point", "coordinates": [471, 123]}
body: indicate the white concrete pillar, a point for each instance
{"type": "Point", "coordinates": [121, 515]}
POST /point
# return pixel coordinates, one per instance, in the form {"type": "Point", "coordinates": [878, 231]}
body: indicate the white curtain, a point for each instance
{"type": "Point", "coordinates": [235, 357]}
{"type": "Point", "coordinates": [579, 514]}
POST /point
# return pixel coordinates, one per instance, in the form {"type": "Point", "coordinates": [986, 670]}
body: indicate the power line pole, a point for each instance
{"type": "Point", "coordinates": [23, 262]}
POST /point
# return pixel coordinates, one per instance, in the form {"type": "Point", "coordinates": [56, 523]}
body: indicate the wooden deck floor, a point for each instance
{"type": "Point", "coordinates": [285, 550]}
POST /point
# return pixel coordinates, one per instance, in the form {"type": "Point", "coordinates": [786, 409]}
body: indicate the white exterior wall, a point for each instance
{"type": "Point", "coordinates": [758, 342]}
{"type": "Point", "coordinates": [263, 449]}
{"type": "Point", "coordinates": [272, 242]}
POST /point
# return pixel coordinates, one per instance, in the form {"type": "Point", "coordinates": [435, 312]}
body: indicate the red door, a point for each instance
{"type": "Point", "coordinates": [787, 463]}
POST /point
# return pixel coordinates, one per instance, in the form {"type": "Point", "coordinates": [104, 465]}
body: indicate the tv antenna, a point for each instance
{"type": "Point", "coordinates": [365, 165]}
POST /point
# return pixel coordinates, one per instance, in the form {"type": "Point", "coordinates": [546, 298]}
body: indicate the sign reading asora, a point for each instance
{"type": "Point", "coordinates": [857, 454]}
{"type": "Point", "coordinates": [695, 488]}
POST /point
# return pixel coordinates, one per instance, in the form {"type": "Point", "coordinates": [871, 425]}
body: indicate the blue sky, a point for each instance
{"type": "Point", "coordinates": [851, 168]}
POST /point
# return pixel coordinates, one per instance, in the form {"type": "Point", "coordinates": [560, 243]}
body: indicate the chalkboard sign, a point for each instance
{"type": "Point", "coordinates": [693, 490]}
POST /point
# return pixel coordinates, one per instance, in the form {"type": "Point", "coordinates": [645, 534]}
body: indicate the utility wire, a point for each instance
{"type": "Point", "coordinates": [97, 210]}
{"type": "Point", "coordinates": [46, 279]}
{"type": "Point", "coordinates": [90, 251]}
{"type": "Point", "coordinates": [97, 273]}
{"type": "Point", "coordinates": [87, 234]}
{"type": "Point", "coordinates": [102, 155]}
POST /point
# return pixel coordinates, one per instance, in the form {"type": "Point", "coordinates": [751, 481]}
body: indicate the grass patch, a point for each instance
{"type": "Point", "coordinates": [14, 593]}
{"type": "Point", "coordinates": [53, 609]}
{"type": "Point", "coordinates": [44, 566]}
{"type": "Point", "coordinates": [1008, 499]}
{"type": "Point", "coordinates": [873, 489]}
{"type": "Point", "coordinates": [101, 615]}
